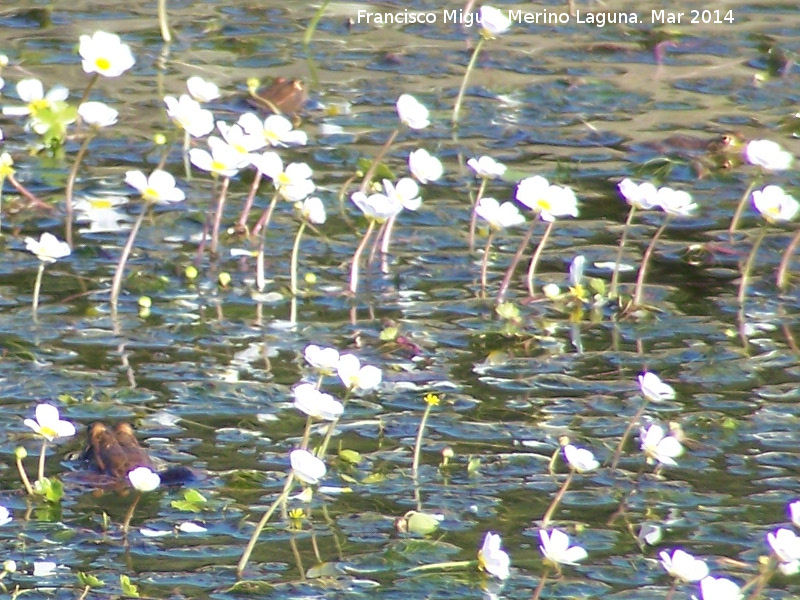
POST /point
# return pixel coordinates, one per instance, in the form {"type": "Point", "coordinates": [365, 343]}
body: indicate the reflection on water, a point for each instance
{"type": "Point", "coordinates": [206, 371]}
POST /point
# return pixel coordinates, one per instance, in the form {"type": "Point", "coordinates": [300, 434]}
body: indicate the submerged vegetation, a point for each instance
{"type": "Point", "coordinates": [323, 313]}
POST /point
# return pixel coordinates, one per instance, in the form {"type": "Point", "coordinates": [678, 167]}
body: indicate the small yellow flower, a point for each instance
{"type": "Point", "coordinates": [432, 399]}
{"type": "Point", "coordinates": [296, 514]}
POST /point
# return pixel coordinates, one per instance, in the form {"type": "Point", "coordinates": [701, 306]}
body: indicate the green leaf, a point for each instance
{"type": "Point", "coordinates": [129, 590]}
{"type": "Point", "coordinates": [88, 580]}
{"type": "Point", "coordinates": [194, 497]}
{"type": "Point", "coordinates": [374, 478]}
{"type": "Point", "coordinates": [389, 334]}
{"type": "Point", "coordinates": [350, 456]}
{"type": "Point", "coordinates": [51, 489]}
{"type": "Point", "coordinates": [253, 588]}
{"type": "Point", "coordinates": [186, 506]}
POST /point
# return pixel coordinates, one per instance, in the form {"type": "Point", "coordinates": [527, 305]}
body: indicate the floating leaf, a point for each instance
{"type": "Point", "coordinates": [129, 590]}
{"type": "Point", "coordinates": [87, 580]}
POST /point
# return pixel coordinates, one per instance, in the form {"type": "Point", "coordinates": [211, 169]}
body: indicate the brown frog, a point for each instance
{"type": "Point", "coordinates": [282, 96]}
{"type": "Point", "coordinates": [116, 452]}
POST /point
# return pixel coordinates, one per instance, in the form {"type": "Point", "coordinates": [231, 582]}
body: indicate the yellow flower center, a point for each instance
{"type": "Point", "coordinates": [103, 64]}
{"type": "Point", "coordinates": [36, 106]}
{"type": "Point", "coordinates": [284, 179]}
{"type": "Point", "coordinates": [151, 194]}
{"type": "Point", "coordinates": [5, 171]}
{"type": "Point", "coordinates": [100, 203]}
{"type": "Point", "coordinates": [217, 166]}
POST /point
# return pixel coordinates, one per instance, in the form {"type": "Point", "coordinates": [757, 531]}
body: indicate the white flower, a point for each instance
{"type": "Point", "coordinates": [718, 588]}
{"type": "Point", "coordinates": [675, 203]}
{"type": "Point", "coordinates": [653, 389]}
{"type": "Point", "coordinates": [555, 548]}
{"type": "Point", "coordinates": [486, 167]}
{"type": "Point", "coordinates": [187, 114]}
{"type": "Point", "coordinates": [159, 187]}
{"type": "Point", "coordinates": [406, 192]}
{"type": "Point", "coordinates": [424, 166]}
{"type": "Point", "coordinates": [276, 130]}
{"type": "Point", "coordinates": [492, 559]}
{"type": "Point", "coordinates": [774, 204]}
{"type": "Point", "coordinates": [97, 114]}
{"type": "Point", "coordinates": [241, 141]}
{"type": "Point", "coordinates": [48, 424]}
{"type": "Point", "coordinates": [101, 213]}
{"type": "Point", "coordinates": [659, 447]}
{"type": "Point", "coordinates": [641, 196]}
{"type": "Point", "coordinates": [786, 546]}
{"type": "Point", "coordinates": [354, 376]}
{"type": "Point", "coordinates": [547, 201]}
{"type": "Point", "coordinates": [499, 216]}
{"type": "Point", "coordinates": [493, 22]}
{"type": "Point", "coordinates": [580, 459]}
{"type": "Point", "coordinates": [412, 112]}
{"type": "Point", "coordinates": [313, 210]}
{"type": "Point", "coordinates": [325, 360]}
{"type": "Point", "coordinates": [31, 91]}
{"type": "Point", "coordinates": [307, 467]}
{"type": "Point", "coordinates": [48, 248]}
{"type": "Point", "coordinates": [684, 566]}
{"type": "Point", "coordinates": [294, 182]}
{"type": "Point", "coordinates": [767, 155]}
{"type": "Point", "coordinates": [202, 90]}
{"type": "Point", "coordinates": [576, 270]}
{"type": "Point", "coordinates": [223, 159]}
{"type": "Point", "coordinates": [144, 479]}
{"type": "Point", "coordinates": [309, 400]}
{"type": "Point", "coordinates": [104, 53]}
{"type": "Point", "coordinates": [794, 512]}
{"type": "Point", "coordinates": [191, 527]}
{"type": "Point", "coordinates": [5, 516]}
{"type": "Point", "coordinates": [43, 568]}
{"type": "Point", "coordinates": [551, 291]}
{"type": "Point", "coordinates": [378, 207]}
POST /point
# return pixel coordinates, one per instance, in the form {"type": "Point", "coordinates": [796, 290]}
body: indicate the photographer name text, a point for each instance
{"type": "Point", "coordinates": [547, 17]}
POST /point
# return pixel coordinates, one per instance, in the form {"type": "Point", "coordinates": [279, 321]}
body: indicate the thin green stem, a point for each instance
{"type": "Point", "coordinates": [42, 455]}
{"type": "Point", "coordinates": [440, 566]}
{"type": "Point", "coordinates": [295, 252]}
{"type": "Point", "coordinates": [535, 258]}
{"type": "Point", "coordinates": [312, 24]}
{"type": "Point", "coordinates": [127, 522]}
{"type": "Point", "coordinates": [556, 501]}
{"type": "Point", "coordinates": [357, 257]}
{"type": "Point", "coordinates": [24, 476]}
{"type": "Point", "coordinates": [88, 89]}
{"type": "Point", "coordinates": [68, 192]}
{"type": "Point", "coordinates": [615, 276]}
{"type": "Point", "coordinates": [537, 592]}
{"type": "Point", "coordinates": [248, 203]}
{"type": "Point", "coordinates": [514, 262]}
{"type": "Point", "coordinates": [749, 265]}
{"type": "Point", "coordinates": [373, 167]}
{"type": "Point", "coordinates": [287, 488]}
{"type": "Point", "coordinates": [187, 143]}
{"type": "Point", "coordinates": [783, 268]}
{"type": "Point", "coordinates": [163, 25]}
{"type": "Point", "coordinates": [473, 220]}
{"type": "Point", "coordinates": [266, 216]}
{"type": "Point", "coordinates": [637, 294]}
{"type": "Point", "coordinates": [306, 433]}
{"type": "Point", "coordinates": [740, 208]}
{"type": "Point", "coordinates": [116, 283]}
{"type": "Point", "coordinates": [418, 441]}
{"type": "Point", "coordinates": [37, 286]}
{"type": "Point", "coordinates": [471, 65]}
{"type": "Point", "coordinates": [627, 433]}
{"type": "Point", "coordinates": [485, 263]}
{"type": "Point", "coordinates": [323, 448]}
{"type": "Point", "coordinates": [223, 195]}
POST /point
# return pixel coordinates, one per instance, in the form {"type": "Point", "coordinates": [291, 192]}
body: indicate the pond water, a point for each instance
{"type": "Point", "coordinates": [206, 373]}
